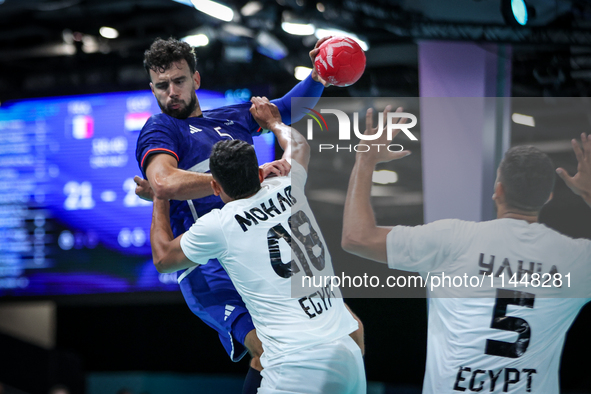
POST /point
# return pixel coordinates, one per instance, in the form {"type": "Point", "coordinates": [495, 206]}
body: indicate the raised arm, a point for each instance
{"type": "Point", "coordinates": [294, 145]}
{"type": "Point", "coordinates": [580, 184]}
{"type": "Point", "coordinates": [166, 250]}
{"type": "Point", "coordinates": [361, 235]}
{"type": "Point", "coordinates": [311, 88]}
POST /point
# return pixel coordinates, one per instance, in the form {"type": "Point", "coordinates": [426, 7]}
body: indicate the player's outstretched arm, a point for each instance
{"type": "Point", "coordinates": [175, 184]}
{"type": "Point", "coordinates": [294, 145]}
{"type": "Point", "coordinates": [311, 88]}
{"type": "Point", "coordinates": [580, 184]}
{"type": "Point", "coordinates": [171, 183]}
{"type": "Point", "coordinates": [361, 235]}
{"type": "Point", "coordinates": [166, 250]}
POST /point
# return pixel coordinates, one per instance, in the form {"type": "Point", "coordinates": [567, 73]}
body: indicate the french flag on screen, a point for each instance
{"type": "Point", "coordinates": [82, 126]}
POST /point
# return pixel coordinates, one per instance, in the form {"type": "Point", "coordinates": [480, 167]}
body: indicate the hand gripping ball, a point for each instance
{"type": "Point", "coordinates": [340, 62]}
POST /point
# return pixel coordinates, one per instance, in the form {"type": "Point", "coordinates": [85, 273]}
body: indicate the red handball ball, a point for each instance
{"type": "Point", "coordinates": [340, 62]}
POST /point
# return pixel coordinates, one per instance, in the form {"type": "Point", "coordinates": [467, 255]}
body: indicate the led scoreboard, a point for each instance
{"type": "Point", "coordinates": [70, 222]}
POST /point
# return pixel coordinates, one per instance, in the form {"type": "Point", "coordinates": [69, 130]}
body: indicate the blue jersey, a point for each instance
{"type": "Point", "coordinates": [190, 142]}
{"type": "Point", "coordinates": [207, 289]}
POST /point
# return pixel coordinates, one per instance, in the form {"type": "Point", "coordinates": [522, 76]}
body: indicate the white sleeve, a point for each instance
{"type": "Point", "coordinates": [298, 176]}
{"type": "Point", "coordinates": [205, 239]}
{"type": "Point", "coordinates": [580, 271]}
{"type": "Point", "coordinates": [422, 248]}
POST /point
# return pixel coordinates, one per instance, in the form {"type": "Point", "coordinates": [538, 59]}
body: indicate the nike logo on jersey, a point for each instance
{"type": "Point", "coordinates": [228, 311]}
{"type": "Point", "coordinates": [194, 129]}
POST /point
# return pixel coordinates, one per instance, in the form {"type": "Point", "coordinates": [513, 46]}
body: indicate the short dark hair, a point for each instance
{"type": "Point", "coordinates": [528, 176]}
{"type": "Point", "coordinates": [234, 165]}
{"type": "Point", "coordinates": [163, 53]}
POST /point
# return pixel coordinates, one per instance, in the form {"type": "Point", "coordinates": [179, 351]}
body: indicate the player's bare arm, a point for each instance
{"type": "Point", "coordinates": [361, 235]}
{"type": "Point", "coordinates": [255, 349]}
{"type": "Point", "coordinates": [171, 183]}
{"type": "Point", "coordinates": [580, 184]}
{"type": "Point", "coordinates": [291, 141]}
{"type": "Point", "coordinates": [166, 250]}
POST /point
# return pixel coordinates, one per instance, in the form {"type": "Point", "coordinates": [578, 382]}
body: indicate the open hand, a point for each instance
{"type": "Point", "coordinates": [378, 152]}
{"type": "Point", "coordinates": [580, 184]}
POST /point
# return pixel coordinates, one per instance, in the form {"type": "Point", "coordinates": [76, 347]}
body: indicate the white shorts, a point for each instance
{"type": "Point", "coordinates": [335, 367]}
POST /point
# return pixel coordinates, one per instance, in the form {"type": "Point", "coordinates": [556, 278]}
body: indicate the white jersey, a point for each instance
{"type": "Point", "coordinates": [508, 336]}
{"type": "Point", "coordinates": [251, 238]}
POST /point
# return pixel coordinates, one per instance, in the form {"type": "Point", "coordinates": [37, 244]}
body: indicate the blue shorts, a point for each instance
{"type": "Point", "coordinates": [211, 296]}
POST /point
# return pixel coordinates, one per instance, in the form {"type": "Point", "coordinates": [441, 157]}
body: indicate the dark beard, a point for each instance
{"type": "Point", "coordinates": [181, 113]}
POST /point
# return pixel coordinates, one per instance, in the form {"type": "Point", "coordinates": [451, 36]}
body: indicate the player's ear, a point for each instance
{"type": "Point", "coordinates": [152, 87]}
{"type": "Point", "coordinates": [197, 80]}
{"type": "Point", "coordinates": [217, 189]}
{"type": "Point", "coordinates": [499, 194]}
{"type": "Point", "coordinates": [495, 196]}
{"type": "Point", "coordinates": [261, 177]}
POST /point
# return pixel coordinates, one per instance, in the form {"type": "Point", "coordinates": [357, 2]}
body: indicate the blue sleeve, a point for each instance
{"type": "Point", "coordinates": [239, 113]}
{"type": "Point", "coordinates": [156, 137]}
{"type": "Point", "coordinates": [309, 90]}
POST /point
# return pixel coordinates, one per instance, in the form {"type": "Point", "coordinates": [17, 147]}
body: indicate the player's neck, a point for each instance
{"type": "Point", "coordinates": [226, 199]}
{"type": "Point", "coordinates": [197, 111]}
{"type": "Point", "coordinates": [504, 212]}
